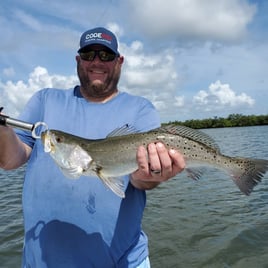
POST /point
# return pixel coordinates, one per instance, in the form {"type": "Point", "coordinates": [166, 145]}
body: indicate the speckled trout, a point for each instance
{"type": "Point", "coordinates": [115, 156]}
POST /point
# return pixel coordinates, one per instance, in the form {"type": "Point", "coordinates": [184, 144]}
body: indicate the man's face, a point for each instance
{"type": "Point", "coordinates": [98, 78]}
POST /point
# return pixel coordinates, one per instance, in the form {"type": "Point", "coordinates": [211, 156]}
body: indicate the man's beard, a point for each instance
{"type": "Point", "coordinates": [97, 89]}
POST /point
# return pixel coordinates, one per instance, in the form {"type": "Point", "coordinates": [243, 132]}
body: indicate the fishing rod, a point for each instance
{"type": "Point", "coordinates": [15, 123]}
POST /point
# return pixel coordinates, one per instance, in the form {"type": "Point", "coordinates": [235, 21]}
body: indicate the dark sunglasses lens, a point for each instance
{"type": "Point", "coordinates": [88, 56]}
{"type": "Point", "coordinates": [106, 56]}
{"type": "Point", "coordinates": [103, 55]}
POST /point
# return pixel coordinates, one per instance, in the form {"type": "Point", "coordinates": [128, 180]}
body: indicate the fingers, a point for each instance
{"type": "Point", "coordinates": [159, 160]}
{"type": "Point", "coordinates": [142, 160]}
{"type": "Point", "coordinates": [178, 162]}
{"type": "Point", "coordinates": [155, 165]}
{"type": "Point", "coordinates": [153, 159]}
{"type": "Point", "coordinates": [158, 163]}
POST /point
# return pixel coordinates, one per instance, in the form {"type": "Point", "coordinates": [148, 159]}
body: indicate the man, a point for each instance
{"type": "Point", "coordinates": [81, 223]}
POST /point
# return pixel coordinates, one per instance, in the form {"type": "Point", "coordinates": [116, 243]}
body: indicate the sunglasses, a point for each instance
{"type": "Point", "coordinates": [103, 55]}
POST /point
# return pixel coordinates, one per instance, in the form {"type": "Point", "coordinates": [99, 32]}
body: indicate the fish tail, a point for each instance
{"type": "Point", "coordinates": [249, 173]}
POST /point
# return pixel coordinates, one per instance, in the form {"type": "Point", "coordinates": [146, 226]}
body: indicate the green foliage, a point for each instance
{"type": "Point", "coordinates": [233, 120]}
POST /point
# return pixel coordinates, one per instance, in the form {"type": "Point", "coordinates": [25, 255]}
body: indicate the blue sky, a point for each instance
{"type": "Point", "coordinates": [193, 59]}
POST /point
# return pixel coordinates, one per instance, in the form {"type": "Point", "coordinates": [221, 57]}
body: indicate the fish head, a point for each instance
{"type": "Point", "coordinates": [56, 142]}
{"type": "Point", "coordinates": [66, 152]}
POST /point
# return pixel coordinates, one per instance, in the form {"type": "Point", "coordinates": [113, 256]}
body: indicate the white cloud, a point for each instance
{"type": "Point", "coordinates": [206, 19]}
{"type": "Point", "coordinates": [14, 95]}
{"type": "Point", "coordinates": [167, 72]}
{"type": "Point", "coordinates": [219, 97]}
{"type": "Point", "coordinates": [153, 76]}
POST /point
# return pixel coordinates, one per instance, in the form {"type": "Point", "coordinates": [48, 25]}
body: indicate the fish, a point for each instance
{"type": "Point", "coordinates": [115, 156]}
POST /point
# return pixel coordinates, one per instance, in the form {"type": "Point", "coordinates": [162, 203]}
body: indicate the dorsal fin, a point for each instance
{"type": "Point", "coordinates": [121, 131]}
{"type": "Point", "coordinates": [192, 134]}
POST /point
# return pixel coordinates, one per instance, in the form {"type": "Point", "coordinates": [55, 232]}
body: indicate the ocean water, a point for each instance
{"type": "Point", "coordinates": [205, 223]}
{"type": "Point", "coordinates": [209, 223]}
{"type": "Point", "coordinates": [11, 222]}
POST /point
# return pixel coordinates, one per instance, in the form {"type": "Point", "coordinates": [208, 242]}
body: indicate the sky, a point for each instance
{"type": "Point", "coordinates": [192, 59]}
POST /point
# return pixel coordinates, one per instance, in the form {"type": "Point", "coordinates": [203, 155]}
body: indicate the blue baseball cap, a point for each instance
{"type": "Point", "coordinates": [99, 36]}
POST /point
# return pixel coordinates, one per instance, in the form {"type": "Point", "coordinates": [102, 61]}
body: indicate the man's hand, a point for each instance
{"type": "Point", "coordinates": [13, 152]}
{"type": "Point", "coordinates": [156, 164]}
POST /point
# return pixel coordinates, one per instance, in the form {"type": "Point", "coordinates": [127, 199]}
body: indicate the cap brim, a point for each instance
{"type": "Point", "coordinates": [96, 43]}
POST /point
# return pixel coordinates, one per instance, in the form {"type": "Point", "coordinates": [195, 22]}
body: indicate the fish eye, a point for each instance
{"type": "Point", "coordinates": [59, 139]}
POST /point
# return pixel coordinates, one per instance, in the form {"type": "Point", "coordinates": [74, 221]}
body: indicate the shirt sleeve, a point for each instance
{"type": "Point", "coordinates": [147, 117]}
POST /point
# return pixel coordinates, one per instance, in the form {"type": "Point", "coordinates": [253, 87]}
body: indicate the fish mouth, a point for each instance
{"type": "Point", "coordinates": [47, 142]}
{"type": "Point", "coordinates": [43, 136]}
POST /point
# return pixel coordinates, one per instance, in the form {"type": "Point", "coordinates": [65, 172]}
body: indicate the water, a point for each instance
{"type": "Point", "coordinates": [11, 223]}
{"type": "Point", "coordinates": [208, 223]}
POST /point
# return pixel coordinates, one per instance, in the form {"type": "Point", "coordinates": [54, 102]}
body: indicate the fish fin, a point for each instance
{"type": "Point", "coordinates": [194, 173]}
{"type": "Point", "coordinates": [192, 134]}
{"type": "Point", "coordinates": [246, 179]}
{"type": "Point", "coordinates": [124, 130]}
{"type": "Point", "coordinates": [116, 184]}
{"type": "Point", "coordinates": [72, 173]}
